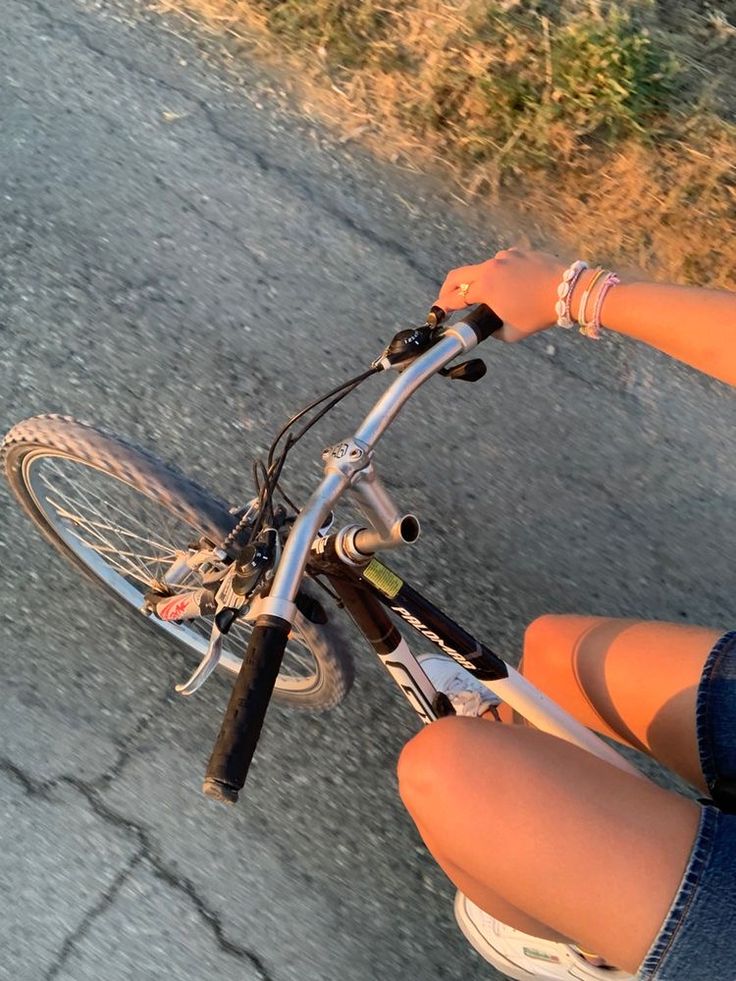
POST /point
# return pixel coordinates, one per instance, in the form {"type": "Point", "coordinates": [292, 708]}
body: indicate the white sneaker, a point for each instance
{"type": "Point", "coordinates": [522, 957]}
{"type": "Point", "coordinates": [467, 695]}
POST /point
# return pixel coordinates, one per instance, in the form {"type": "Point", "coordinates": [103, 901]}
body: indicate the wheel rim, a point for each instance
{"type": "Point", "coordinates": [106, 522]}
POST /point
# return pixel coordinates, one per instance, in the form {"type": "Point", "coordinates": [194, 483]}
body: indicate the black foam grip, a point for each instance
{"type": "Point", "coordinates": [241, 726]}
{"type": "Point", "coordinates": [483, 320]}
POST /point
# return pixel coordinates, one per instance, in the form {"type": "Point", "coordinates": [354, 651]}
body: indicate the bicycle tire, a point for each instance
{"type": "Point", "coordinates": [61, 437]}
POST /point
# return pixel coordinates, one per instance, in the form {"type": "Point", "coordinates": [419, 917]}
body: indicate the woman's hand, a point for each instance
{"type": "Point", "coordinates": [521, 286]}
{"type": "Point", "coordinates": [696, 325]}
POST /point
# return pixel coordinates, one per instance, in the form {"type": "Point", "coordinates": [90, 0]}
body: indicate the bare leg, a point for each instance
{"type": "Point", "coordinates": [593, 667]}
{"type": "Point", "coordinates": [490, 900]}
{"type": "Point", "coordinates": [632, 680]}
{"type": "Point", "coordinates": [591, 851]}
{"type": "Point", "coordinates": [483, 895]}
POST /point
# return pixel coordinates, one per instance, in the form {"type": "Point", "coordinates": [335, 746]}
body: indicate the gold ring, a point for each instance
{"type": "Point", "coordinates": [464, 287]}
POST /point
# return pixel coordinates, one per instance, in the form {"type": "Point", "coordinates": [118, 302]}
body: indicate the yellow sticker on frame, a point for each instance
{"type": "Point", "coordinates": [382, 578]}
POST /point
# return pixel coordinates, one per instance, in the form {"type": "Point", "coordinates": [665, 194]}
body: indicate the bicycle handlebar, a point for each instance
{"type": "Point", "coordinates": [484, 321]}
{"type": "Point", "coordinates": [241, 726]}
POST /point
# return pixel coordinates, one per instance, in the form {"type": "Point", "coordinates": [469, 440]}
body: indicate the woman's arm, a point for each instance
{"type": "Point", "coordinates": [695, 325]}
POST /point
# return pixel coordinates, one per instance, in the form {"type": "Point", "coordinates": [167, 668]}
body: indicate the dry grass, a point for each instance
{"type": "Point", "coordinates": [611, 122]}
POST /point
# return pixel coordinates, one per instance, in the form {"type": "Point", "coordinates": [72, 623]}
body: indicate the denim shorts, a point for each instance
{"type": "Point", "coordinates": [697, 941]}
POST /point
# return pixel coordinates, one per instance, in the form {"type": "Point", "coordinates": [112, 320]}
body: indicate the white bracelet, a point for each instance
{"type": "Point", "coordinates": [564, 293]}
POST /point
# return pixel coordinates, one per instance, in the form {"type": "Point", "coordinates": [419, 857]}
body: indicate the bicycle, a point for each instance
{"type": "Point", "coordinates": [213, 577]}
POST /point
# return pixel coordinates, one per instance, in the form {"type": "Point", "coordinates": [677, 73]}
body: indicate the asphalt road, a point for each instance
{"type": "Point", "coordinates": [184, 260]}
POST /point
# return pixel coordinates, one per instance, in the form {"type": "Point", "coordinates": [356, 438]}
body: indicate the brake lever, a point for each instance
{"type": "Point", "coordinates": [206, 666]}
{"type": "Point", "coordinates": [233, 594]}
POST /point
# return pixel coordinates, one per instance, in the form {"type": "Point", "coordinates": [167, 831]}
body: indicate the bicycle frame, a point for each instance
{"type": "Point", "coordinates": [365, 587]}
{"type": "Point", "coordinates": [364, 584]}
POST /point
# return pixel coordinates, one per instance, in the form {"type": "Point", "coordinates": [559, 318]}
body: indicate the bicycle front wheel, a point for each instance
{"type": "Point", "coordinates": [123, 517]}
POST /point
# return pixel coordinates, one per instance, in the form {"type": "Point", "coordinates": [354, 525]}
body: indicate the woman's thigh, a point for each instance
{"type": "Point", "coordinates": [632, 680]}
{"type": "Point", "coordinates": [593, 852]}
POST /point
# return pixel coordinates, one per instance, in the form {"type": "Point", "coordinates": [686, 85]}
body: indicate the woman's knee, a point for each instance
{"type": "Point", "coordinates": [541, 635]}
{"type": "Point", "coordinates": [429, 761]}
{"type": "Point", "coordinates": [551, 639]}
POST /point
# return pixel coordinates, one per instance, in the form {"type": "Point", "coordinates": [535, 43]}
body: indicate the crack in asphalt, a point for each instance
{"type": "Point", "coordinates": [292, 178]}
{"type": "Point", "coordinates": [145, 853]}
{"type": "Point", "coordinates": [262, 162]}
{"type": "Point", "coordinates": [31, 787]}
{"type": "Point", "coordinates": [126, 746]}
{"type": "Point", "coordinates": [104, 902]}
{"type": "Point", "coordinates": [175, 880]}
{"type": "Point", "coordinates": [230, 231]}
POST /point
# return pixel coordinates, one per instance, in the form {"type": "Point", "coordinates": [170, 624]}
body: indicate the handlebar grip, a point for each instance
{"type": "Point", "coordinates": [484, 321]}
{"type": "Point", "coordinates": [243, 720]}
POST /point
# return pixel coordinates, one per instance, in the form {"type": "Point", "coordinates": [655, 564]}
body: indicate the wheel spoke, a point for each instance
{"type": "Point", "coordinates": [94, 527]}
{"type": "Point", "coordinates": [111, 506]}
{"type": "Point", "coordinates": [129, 539]}
{"type": "Point", "coordinates": [137, 571]}
{"type": "Point", "coordinates": [97, 528]}
{"type": "Point", "coordinates": [304, 660]}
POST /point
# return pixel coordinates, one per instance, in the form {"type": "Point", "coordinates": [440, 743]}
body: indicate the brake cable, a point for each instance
{"type": "Point", "coordinates": [405, 346]}
{"type": "Point", "coordinates": [273, 467]}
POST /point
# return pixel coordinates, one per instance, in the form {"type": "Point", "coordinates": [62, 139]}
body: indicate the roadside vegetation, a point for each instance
{"type": "Point", "coordinates": [612, 126]}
